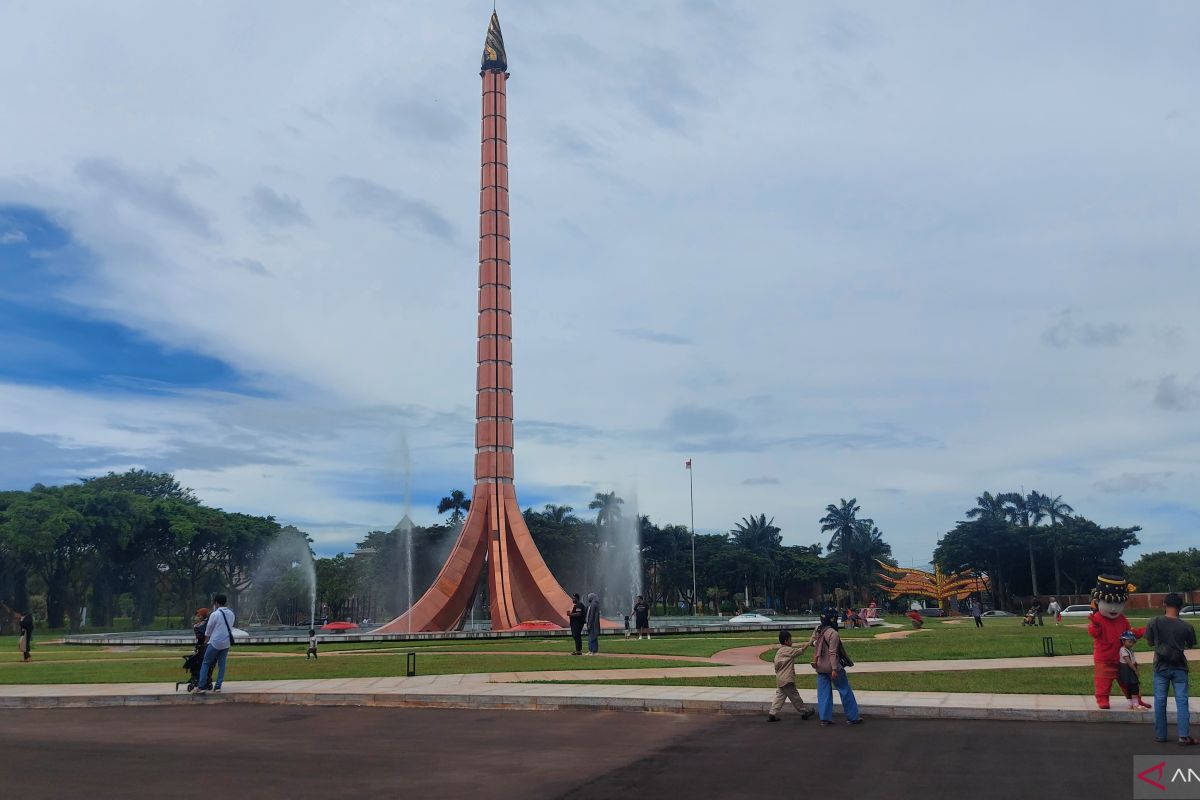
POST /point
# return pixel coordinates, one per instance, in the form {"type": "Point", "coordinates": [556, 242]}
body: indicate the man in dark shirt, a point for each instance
{"type": "Point", "coordinates": [641, 616]}
{"type": "Point", "coordinates": [26, 625]}
{"type": "Point", "coordinates": [577, 616]}
{"type": "Point", "coordinates": [1170, 637]}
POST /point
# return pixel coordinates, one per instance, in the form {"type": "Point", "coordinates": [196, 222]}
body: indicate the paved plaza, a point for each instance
{"type": "Point", "coordinates": [274, 752]}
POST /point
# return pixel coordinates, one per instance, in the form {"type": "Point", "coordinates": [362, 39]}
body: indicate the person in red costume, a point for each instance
{"type": "Point", "coordinates": [1105, 625]}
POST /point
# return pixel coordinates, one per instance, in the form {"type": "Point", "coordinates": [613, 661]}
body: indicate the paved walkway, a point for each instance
{"type": "Point", "coordinates": [485, 692]}
{"type": "Point", "coordinates": [517, 690]}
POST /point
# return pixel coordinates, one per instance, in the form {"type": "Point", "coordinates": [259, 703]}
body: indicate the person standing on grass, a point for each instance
{"type": "Point", "coordinates": [977, 612]}
{"type": "Point", "coordinates": [577, 616]}
{"type": "Point", "coordinates": [1037, 611]}
{"type": "Point", "coordinates": [785, 678]}
{"type": "Point", "coordinates": [641, 617]}
{"type": "Point", "coordinates": [312, 645]}
{"type": "Point", "coordinates": [830, 662]}
{"type": "Point", "coordinates": [25, 624]}
{"type": "Point", "coordinates": [218, 636]}
{"type": "Point", "coordinates": [1055, 609]}
{"type": "Point", "coordinates": [1170, 637]}
{"type": "Point", "coordinates": [593, 624]}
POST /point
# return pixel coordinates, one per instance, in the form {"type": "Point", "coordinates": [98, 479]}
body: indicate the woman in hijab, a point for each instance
{"type": "Point", "coordinates": [830, 663]}
{"type": "Point", "coordinates": [593, 624]}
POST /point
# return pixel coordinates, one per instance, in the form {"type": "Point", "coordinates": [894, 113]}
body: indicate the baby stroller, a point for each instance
{"type": "Point", "coordinates": [192, 664]}
{"type": "Point", "coordinates": [1030, 619]}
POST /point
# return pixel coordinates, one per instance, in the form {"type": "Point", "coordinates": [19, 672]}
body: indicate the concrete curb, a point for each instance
{"type": "Point", "coordinates": [577, 702]}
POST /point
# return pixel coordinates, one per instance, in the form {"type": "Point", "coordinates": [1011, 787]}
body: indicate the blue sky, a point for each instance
{"type": "Point", "coordinates": [903, 254]}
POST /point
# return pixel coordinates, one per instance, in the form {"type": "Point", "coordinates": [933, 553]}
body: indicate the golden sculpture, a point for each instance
{"type": "Point", "coordinates": [899, 581]}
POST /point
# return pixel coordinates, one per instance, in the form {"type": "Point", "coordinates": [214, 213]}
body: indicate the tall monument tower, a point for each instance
{"type": "Point", "coordinates": [494, 535]}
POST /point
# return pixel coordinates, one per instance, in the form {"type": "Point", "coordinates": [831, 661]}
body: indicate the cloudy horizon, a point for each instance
{"type": "Point", "coordinates": [904, 254]}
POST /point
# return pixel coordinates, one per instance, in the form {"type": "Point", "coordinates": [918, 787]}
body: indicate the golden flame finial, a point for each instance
{"type": "Point", "coordinates": [494, 57]}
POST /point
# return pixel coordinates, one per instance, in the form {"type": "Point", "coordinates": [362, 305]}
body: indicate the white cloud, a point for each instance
{"type": "Point", "coordinates": [829, 257]}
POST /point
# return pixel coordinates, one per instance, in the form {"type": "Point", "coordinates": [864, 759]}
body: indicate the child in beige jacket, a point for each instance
{"type": "Point", "coordinates": [785, 678]}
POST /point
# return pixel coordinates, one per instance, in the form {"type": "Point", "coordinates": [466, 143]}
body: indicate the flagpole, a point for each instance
{"type": "Point", "coordinates": [692, 505]}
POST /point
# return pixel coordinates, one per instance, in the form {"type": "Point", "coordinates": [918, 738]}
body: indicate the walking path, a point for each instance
{"type": "Point", "coordinates": [482, 691]}
{"type": "Point", "coordinates": [513, 690]}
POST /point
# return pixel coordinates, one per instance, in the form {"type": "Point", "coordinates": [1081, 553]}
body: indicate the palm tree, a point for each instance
{"type": "Point", "coordinates": [1057, 511]}
{"type": "Point", "coordinates": [761, 538]}
{"type": "Point", "coordinates": [989, 506]}
{"type": "Point", "coordinates": [607, 507]}
{"type": "Point", "coordinates": [457, 502]}
{"type": "Point", "coordinates": [842, 522]}
{"type": "Point", "coordinates": [1026, 512]}
{"type": "Point", "coordinates": [869, 547]}
{"type": "Point", "coordinates": [560, 516]}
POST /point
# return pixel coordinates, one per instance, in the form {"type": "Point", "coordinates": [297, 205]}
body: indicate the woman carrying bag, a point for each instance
{"type": "Point", "coordinates": [830, 662]}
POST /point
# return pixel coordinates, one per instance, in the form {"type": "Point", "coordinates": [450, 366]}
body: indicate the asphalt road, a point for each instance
{"type": "Point", "coordinates": [243, 751]}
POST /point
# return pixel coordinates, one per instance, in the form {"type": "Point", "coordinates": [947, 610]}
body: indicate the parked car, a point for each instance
{"type": "Point", "coordinates": [749, 619]}
{"type": "Point", "coordinates": [997, 613]}
{"type": "Point", "coordinates": [1077, 611]}
{"type": "Point", "coordinates": [1191, 611]}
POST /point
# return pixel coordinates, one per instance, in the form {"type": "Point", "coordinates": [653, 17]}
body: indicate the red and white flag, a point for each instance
{"type": "Point", "coordinates": [687, 464]}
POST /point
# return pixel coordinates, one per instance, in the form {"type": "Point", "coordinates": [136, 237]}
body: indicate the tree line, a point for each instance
{"type": "Point", "coordinates": [1033, 544]}
{"type": "Point", "coordinates": [748, 567]}
{"type": "Point", "coordinates": [139, 544]}
{"type": "Point", "coordinates": [136, 543]}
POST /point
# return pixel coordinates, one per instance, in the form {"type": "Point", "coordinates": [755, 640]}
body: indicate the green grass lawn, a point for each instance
{"type": "Point", "coordinates": [1046, 680]}
{"type": "Point", "coordinates": [246, 666]}
{"type": "Point", "coordinates": [702, 645]}
{"type": "Point", "coordinates": [1002, 637]}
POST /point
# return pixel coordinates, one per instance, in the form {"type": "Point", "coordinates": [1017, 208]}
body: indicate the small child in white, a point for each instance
{"type": "Point", "coordinates": [312, 645]}
{"type": "Point", "coordinates": [1127, 676]}
{"type": "Point", "coordinates": [627, 629]}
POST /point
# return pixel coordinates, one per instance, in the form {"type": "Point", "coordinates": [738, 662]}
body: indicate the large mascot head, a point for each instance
{"type": "Point", "coordinates": [1110, 595]}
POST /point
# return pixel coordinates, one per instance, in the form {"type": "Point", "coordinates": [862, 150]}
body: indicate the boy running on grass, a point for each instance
{"type": "Point", "coordinates": [785, 678]}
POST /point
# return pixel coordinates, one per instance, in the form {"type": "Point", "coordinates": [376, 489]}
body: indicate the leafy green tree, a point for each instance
{"type": "Point", "coordinates": [988, 544]}
{"type": "Point", "coordinates": [50, 536]}
{"type": "Point", "coordinates": [1090, 549]}
{"type": "Point", "coordinates": [1162, 571]}
{"type": "Point", "coordinates": [336, 581]}
{"type": "Point", "coordinates": [761, 540]}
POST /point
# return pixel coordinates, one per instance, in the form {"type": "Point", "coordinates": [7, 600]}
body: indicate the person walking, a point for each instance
{"type": "Point", "coordinates": [218, 636]}
{"type": "Point", "coordinates": [977, 612]}
{"type": "Point", "coordinates": [830, 661]}
{"type": "Point", "coordinates": [593, 624]}
{"type": "Point", "coordinates": [1037, 611]}
{"type": "Point", "coordinates": [577, 617]}
{"type": "Point", "coordinates": [1170, 637]}
{"type": "Point", "coordinates": [641, 617]}
{"type": "Point", "coordinates": [785, 678]}
{"type": "Point", "coordinates": [25, 624]}
{"type": "Point", "coordinates": [1055, 609]}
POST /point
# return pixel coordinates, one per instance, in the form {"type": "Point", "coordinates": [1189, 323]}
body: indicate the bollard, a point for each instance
{"type": "Point", "coordinates": [1048, 645]}
{"type": "Point", "coordinates": [410, 664]}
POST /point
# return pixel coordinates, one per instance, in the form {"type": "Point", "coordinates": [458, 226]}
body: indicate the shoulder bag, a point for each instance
{"type": "Point", "coordinates": [225, 619]}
